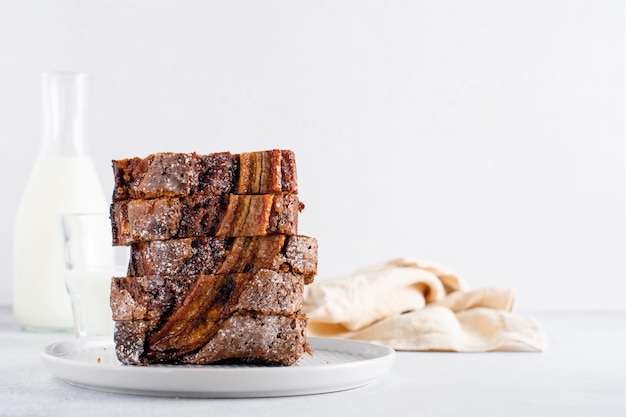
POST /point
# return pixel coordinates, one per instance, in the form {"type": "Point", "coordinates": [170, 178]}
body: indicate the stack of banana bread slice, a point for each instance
{"type": "Point", "coordinates": [217, 270]}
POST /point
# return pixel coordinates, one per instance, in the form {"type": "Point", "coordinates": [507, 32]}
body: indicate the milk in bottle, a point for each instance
{"type": "Point", "coordinates": [63, 180]}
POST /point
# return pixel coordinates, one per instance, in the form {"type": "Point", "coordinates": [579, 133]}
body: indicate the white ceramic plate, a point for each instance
{"type": "Point", "coordinates": [336, 365]}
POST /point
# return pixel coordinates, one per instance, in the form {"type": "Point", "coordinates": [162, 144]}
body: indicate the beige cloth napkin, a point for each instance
{"type": "Point", "coordinates": [418, 306]}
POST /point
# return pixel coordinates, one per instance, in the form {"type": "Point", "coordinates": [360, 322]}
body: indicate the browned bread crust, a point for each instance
{"type": "Point", "coordinates": [217, 270]}
{"type": "Point", "coordinates": [184, 174]}
{"type": "Point", "coordinates": [135, 221]}
{"type": "Point", "coordinates": [220, 255]}
{"type": "Point", "coordinates": [184, 298]}
{"type": "Point", "coordinates": [247, 338]}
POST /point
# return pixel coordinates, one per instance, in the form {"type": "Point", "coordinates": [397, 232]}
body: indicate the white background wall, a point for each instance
{"type": "Point", "coordinates": [487, 135]}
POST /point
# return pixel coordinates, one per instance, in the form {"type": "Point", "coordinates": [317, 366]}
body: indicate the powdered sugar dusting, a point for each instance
{"type": "Point", "coordinates": [169, 206]}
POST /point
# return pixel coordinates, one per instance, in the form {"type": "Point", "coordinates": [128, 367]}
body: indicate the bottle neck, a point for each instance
{"type": "Point", "coordinates": [64, 96]}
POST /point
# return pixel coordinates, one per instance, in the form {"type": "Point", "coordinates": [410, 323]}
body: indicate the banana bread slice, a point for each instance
{"type": "Point", "coordinates": [170, 174]}
{"type": "Point", "coordinates": [190, 297]}
{"type": "Point", "coordinates": [230, 215]}
{"type": "Point", "coordinates": [240, 338]}
{"type": "Point", "coordinates": [221, 255]}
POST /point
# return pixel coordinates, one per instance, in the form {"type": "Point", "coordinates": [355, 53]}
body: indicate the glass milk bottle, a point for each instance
{"type": "Point", "coordinates": [63, 180]}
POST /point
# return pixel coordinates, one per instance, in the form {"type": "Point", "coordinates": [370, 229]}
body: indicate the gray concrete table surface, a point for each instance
{"type": "Point", "coordinates": [583, 373]}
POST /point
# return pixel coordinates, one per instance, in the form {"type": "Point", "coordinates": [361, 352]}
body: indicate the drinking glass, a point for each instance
{"type": "Point", "coordinates": [90, 263]}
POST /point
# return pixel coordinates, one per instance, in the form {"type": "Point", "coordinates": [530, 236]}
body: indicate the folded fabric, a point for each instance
{"type": "Point", "coordinates": [418, 306]}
